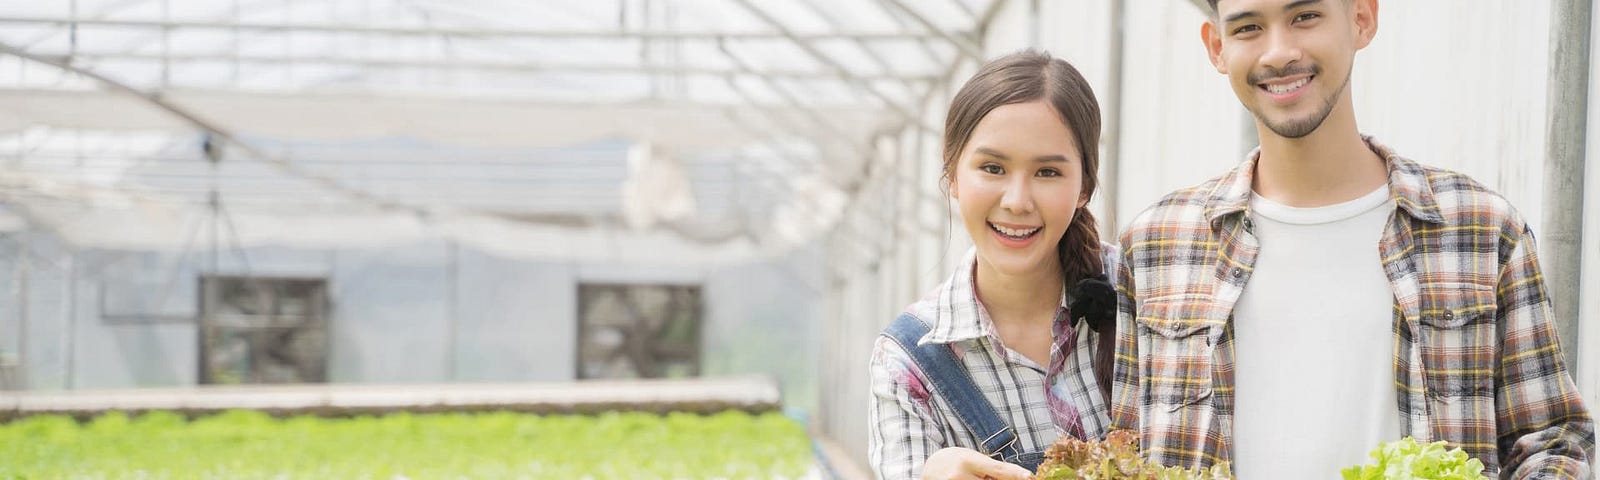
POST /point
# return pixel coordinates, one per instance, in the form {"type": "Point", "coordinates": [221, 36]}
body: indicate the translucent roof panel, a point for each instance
{"type": "Point", "coordinates": [703, 121]}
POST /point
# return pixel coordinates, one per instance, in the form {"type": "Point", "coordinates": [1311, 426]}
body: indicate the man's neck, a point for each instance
{"type": "Point", "coordinates": [1331, 165]}
{"type": "Point", "coordinates": [1017, 298]}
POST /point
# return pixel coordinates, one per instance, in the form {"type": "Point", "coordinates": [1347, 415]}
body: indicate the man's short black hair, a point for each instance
{"type": "Point", "coordinates": [1213, 5]}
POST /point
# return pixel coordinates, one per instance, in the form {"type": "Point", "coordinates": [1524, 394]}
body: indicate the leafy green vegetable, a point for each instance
{"type": "Point", "coordinates": [1406, 459]}
{"type": "Point", "coordinates": [248, 445]}
{"type": "Point", "coordinates": [1115, 458]}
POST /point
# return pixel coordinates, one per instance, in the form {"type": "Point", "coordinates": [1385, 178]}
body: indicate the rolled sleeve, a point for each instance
{"type": "Point", "coordinates": [1545, 430]}
{"type": "Point", "coordinates": [902, 430]}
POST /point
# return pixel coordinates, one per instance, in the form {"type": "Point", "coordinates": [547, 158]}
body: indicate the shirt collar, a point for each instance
{"type": "Point", "coordinates": [958, 316]}
{"type": "Point", "coordinates": [1408, 183]}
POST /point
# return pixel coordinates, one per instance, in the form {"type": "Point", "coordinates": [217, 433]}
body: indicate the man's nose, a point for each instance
{"type": "Point", "coordinates": [1283, 49]}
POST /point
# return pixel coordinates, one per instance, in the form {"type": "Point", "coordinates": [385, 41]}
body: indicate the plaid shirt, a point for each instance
{"type": "Point", "coordinates": [1475, 355]}
{"type": "Point", "coordinates": [907, 423]}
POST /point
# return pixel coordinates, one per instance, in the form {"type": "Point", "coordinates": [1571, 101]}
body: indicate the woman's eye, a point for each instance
{"type": "Point", "coordinates": [992, 169]}
{"type": "Point", "coordinates": [1049, 172]}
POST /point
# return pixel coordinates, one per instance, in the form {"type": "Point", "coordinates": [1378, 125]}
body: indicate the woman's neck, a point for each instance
{"type": "Point", "coordinates": [1019, 298]}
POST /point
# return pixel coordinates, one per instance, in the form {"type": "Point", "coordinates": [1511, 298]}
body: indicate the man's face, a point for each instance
{"type": "Point", "coordinates": [1289, 61]}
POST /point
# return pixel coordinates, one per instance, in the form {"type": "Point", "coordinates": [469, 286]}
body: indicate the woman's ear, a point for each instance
{"type": "Point", "coordinates": [950, 185]}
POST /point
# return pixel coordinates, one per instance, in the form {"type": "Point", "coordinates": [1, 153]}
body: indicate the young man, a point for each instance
{"type": "Point", "coordinates": [1328, 294]}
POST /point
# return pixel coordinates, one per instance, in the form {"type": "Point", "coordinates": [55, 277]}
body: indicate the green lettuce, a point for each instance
{"type": "Point", "coordinates": [1406, 459]}
{"type": "Point", "coordinates": [247, 445]}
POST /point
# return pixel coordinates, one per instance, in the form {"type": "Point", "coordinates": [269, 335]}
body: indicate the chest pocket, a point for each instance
{"type": "Point", "coordinates": [1459, 341]}
{"type": "Point", "coordinates": [1177, 338]}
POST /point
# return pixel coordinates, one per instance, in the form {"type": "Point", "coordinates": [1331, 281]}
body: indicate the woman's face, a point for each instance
{"type": "Point", "coordinates": [1017, 183]}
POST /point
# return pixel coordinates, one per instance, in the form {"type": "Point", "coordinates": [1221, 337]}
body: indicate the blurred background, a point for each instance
{"type": "Point", "coordinates": [423, 192]}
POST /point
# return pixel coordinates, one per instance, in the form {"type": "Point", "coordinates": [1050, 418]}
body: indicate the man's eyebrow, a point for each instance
{"type": "Point", "coordinates": [1241, 16]}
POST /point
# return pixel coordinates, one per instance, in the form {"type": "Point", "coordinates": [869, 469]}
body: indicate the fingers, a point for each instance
{"type": "Point", "coordinates": [966, 464]}
{"type": "Point", "coordinates": [999, 470]}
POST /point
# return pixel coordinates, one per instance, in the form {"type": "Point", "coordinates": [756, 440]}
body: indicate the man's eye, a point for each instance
{"type": "Point", "coordinates": [1246, 29]}
{"type": "Point", "coordinates": [1308, 16]}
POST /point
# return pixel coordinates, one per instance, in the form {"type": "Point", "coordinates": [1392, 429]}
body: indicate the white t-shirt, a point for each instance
{"type": "Point", "coordinates": [1314, 342]}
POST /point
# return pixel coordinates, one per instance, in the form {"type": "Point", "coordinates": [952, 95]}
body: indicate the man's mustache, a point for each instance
{"type": "Point", "coordinates": [1269, 73]}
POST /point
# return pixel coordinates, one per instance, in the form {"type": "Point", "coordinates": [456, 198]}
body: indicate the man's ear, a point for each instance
{"type": "Point", "coordinates": [1211, 36]}
{"type": "Point", "coordinates": [1366, 15]}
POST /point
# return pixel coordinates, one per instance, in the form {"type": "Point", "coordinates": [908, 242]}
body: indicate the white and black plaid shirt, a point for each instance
{"type": "Point", "coordinates": [907, 424]}
{"type": "Point", "coordinates": [1476, 361]}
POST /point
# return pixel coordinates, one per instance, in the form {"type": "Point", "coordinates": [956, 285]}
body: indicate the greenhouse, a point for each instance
{"type": "Point", "coordinates": [638, 238]}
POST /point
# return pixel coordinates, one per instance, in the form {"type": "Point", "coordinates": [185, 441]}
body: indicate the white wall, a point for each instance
{"type": "Point", "coordinates": [392, 314]}
{"type": "Point", "coordinates": [1589, 310]}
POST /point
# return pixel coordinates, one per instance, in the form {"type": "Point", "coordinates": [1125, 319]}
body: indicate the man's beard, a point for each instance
{"type": "Point", "coordinates": [1297, 128]}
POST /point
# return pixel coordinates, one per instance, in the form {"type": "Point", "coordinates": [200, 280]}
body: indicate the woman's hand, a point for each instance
{"type": "Point", "coordinates": [955, 463]}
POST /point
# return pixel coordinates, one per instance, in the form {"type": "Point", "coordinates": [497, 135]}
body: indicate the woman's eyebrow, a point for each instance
{"type": "Point", "coordinates": [996, 153]}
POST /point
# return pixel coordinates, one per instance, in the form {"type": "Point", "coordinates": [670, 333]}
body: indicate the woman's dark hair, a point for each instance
{"type": "Point", "coordinates": [1027, 76]}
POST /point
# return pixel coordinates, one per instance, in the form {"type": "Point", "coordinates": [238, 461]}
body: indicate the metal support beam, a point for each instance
{"type": "Point", "coordinates": [1111, 164]}
{"type": "Point", "coordinates": [462, 65]}
{"type": "Point", "coordinates": [69, 338]}
{"type": "Point", "coordinates": [23, 277]}
{"type": "Point", "coordinates": [833, 24]}
{"type": "Point", "coordinates": [964, 45]}
{"type": "Point", "coordinates": [817, 120]}
{"type": "Point", "coordinates": [1566, 120]}
{"type": "Point", "coordinates": [926, 45]}
{"type": "Point", "coordinates": [972, 15]}
{"type": "Point", "coordinates": [805, 45]}
{"type": "Point", "coordinates": [988, 19]}
{"type": "Point", "coordinates": [219, 133]}
{"type": "Point", "coordinates": [279, 163]}
{"type": "Point", "coordinates": [573, 34]}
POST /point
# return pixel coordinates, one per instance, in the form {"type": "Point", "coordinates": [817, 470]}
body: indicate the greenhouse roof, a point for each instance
{"type": "Point", "coordinates": [656, 131]}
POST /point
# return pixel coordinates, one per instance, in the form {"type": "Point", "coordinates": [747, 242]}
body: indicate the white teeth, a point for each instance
{"type": "Point", "coordinates": [1286, 88]}
{"type": "Point", "coordinates": [1013, 232]}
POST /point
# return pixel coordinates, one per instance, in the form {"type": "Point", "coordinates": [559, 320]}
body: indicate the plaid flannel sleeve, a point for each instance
{"type": "Point", "coordinates": [902, 430]}
{"type": "Point", "coordinates": [1545, 431]}
{"type": "Point", "coordinates": [1125, 401]}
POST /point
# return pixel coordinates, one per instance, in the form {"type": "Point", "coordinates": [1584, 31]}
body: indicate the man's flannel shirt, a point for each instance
{"type": "Point", "coordinates": [1476, 361]}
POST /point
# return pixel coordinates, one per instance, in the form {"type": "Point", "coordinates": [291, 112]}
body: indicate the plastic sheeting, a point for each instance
{"type": "Point", "coordinates": [761, 117]}
{"type": "Point", "coordinates": [467, 122]}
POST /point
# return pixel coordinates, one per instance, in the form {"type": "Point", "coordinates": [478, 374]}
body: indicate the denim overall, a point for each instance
{"type": "Point", "coordinates": [951, 381]}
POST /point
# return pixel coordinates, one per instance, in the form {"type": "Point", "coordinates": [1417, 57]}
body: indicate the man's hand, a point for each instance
{"type": "Point", "coordinates": [955, 463]}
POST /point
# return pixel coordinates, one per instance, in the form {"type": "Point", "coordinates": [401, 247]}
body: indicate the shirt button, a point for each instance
{"type": "Point", "coordinates": [1449, 315]}
{"type": "Point", "coordinates": [1238, 272]}
{"type": "Point", "coordinates": [1247, 224]}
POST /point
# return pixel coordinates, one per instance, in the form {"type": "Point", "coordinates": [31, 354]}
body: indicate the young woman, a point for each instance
{"type": "Point", "coordinates": [980, 376]}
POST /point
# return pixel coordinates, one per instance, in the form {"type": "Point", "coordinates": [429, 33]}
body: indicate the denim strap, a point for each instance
{"type": "Point", "coordinates": [952, 382]}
